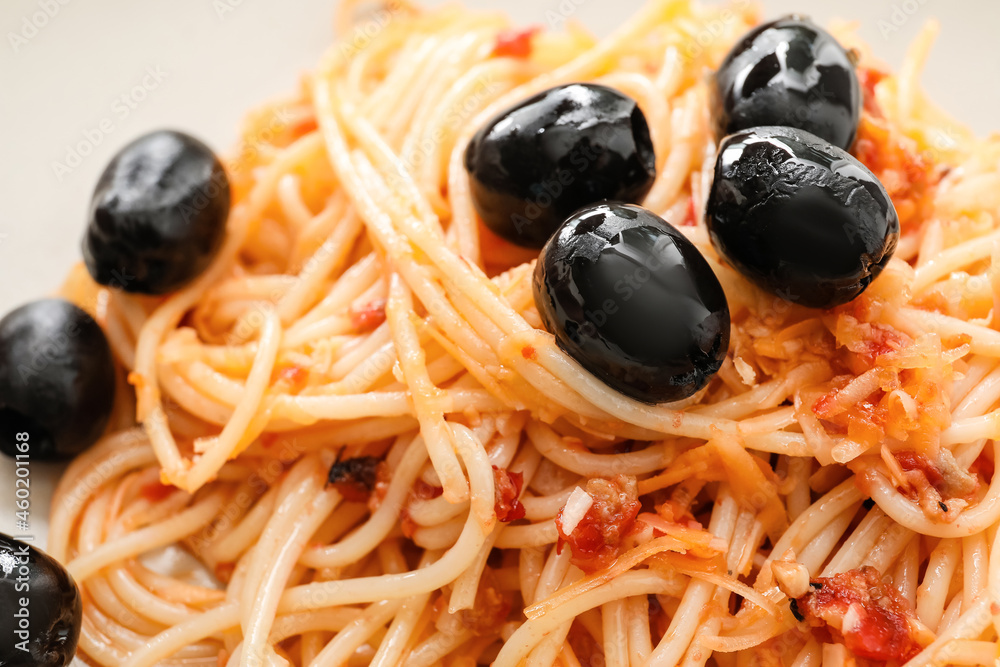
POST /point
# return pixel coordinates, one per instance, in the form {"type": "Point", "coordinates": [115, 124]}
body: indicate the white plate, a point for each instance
{"type": "Point", "coordinates": [198, 65]}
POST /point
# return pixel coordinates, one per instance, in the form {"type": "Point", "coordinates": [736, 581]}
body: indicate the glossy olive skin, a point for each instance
{"type": "Point", "coordinates": [788, 72]}
{"type": "Point", "coordinates": [531, 166]}
{"type": "Point", "coordinates": [158, 214]}
{"type": "Point", "coordinates": [53, 606]}
{"type": "Point", "coordinates": [57, 380]}
{"type": "Point", "coordinates": [633, 301]}
{"type": "Point", "coordinates": [799, 217]}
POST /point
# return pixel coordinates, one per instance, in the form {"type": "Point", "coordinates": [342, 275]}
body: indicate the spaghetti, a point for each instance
{"type": "Point", "coordinates": [828, 498]}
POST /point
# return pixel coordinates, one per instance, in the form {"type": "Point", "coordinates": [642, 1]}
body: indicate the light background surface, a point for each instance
{"type": "Point", "coordinates": [214, 59]}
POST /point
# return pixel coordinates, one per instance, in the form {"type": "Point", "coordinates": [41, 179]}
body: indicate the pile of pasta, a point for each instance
{"type": "Point", "coordinates": [358, 310]}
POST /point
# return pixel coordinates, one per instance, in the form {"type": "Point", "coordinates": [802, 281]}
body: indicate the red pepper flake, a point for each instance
{"type": "Point", "coordinates": [294, 376]}
{"type": "Point", "coordinates": [825, 404]}
{"type": "Point", "coordinates": [369, 316]}
{"type": "Point", "coordinates": [156, 491]}
{"type": "Point", "coordinates": [528, 352]}
{"type": "Point", "coordinates": [507, 489]}
{"type": "Point", "coordinates": [514, 43]}
{"type": "Point", "coordinates": [689, 218]}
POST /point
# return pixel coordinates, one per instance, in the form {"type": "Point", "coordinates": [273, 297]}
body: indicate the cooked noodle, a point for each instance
{"type": "Point", "coordinates": [358, 309]}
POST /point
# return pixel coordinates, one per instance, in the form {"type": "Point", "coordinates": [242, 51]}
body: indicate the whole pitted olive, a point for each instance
{"type": "Point", "coordinates": [800, 217]}
{"type": "Point", "coordinates": [531, 166]}
{"type": "Point", "coordinates": [40, 608]}
{"type": "Point", "coordinates": [57, 380]}
{"type": "Point", "coordinates": [789, 72]}
{"type": "Point", "coordinates": [158, 214]}
{"type": "Point", "coordinates": [633, 301]}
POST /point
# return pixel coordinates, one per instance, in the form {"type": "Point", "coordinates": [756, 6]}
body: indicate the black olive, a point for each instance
{"type": "Point", "coordinates": [158, 215]}
{"type": "Point", "coordinates": [789, 72]}
{"type": "Point", "coordinates": [531, 166]}
{"type": "Point", "coordinates": [40, 608]}
{"type": "Point", "coordinates": [57, 380]}
{"type": "Point", "coordinates": [799, 217]}
{"type": "Point", "coordinates": [633, 301]}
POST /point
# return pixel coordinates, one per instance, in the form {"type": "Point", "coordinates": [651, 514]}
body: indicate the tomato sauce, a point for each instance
{"type": "Point", "coordinates": [596, 540]}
